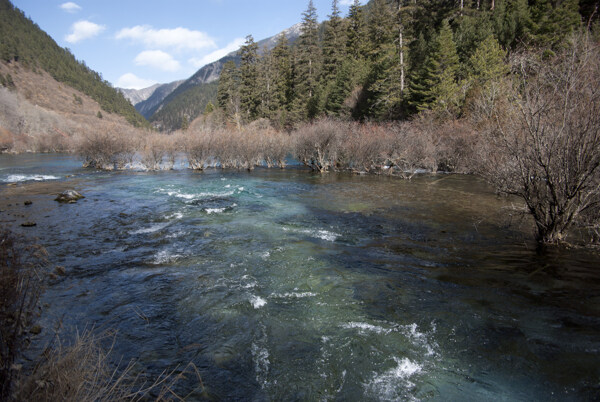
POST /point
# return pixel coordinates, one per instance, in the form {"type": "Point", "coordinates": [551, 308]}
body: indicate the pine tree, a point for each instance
{"type": "Point", "coordinates": [437, 87]}
{"type": "Point", "coordinates": [228, 98]}
{"type": "Point", "coordinates": [334, 43]}
{"type": "Point", "coordinates": [487, 63]}
{"type": "Point", "coordinates": [512, 22]}
{"type": "Point", "coordinates": [553, 20]}
{"type": "Point", "coordinates": [381, 29]}
{"type": "Point", "coordinates": [282, 81]}
{"type": "Point", "coordinates": [249, 92]}
{"type": "Point", "coordinates": [308, 65]}
{"type": "Point", "coordinates": [356, 32]}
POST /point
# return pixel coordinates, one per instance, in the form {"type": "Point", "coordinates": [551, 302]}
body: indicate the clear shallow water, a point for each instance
{"type": "Point", "coordinates": [284, 285]}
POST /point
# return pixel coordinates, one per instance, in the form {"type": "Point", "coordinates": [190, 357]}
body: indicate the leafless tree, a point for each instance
{"type": "Point", "coordinates": [544, 143]}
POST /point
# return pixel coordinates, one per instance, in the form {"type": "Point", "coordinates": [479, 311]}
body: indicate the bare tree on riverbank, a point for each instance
{"type": "Point", "coordinates": [544, 143]}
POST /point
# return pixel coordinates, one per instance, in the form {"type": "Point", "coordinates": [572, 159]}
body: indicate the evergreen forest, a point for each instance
{"type": "Point", "coordinates": [391, 59]}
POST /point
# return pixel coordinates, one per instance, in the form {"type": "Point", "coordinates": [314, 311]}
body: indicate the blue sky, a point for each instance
{"type": "Point", "coordinates": [135, 43]}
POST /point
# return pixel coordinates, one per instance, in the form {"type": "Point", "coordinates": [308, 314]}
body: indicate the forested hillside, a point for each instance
{"type": "Point", "coordinates": [24, 42]}
{"type": "Point", "coordinates": [181, 107]}
{"type": "Point", "coordinates": [391, 59]}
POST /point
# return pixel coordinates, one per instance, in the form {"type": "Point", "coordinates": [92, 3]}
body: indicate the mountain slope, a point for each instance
{"type": "Point", "coordinates": [23, 41]}
{"type": "Point", "coordinates": [148, 106]}
{"type": "Point", "coordinates": [136, 96]}
{"type": "Point", "coordinates": [170, 113]}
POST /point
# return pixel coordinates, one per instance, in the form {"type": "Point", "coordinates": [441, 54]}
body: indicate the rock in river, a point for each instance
{"type": "Point", "coordinates": [28, 224]}
{"type": "Point", "coordinates": [69, 196]}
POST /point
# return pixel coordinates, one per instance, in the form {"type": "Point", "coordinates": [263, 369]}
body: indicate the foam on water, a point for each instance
{"type": "Point", "coordinates": [364, 327]}
{"type": "Point", "coordinates": [151, 229]}
{"type": "Point", "coordinates": [164, 256]}
{"type": "Point", "coordinates": [316, 233]}
{"type": "Point", "coordinates": [257, 301]}
{"type": "Point", "coordinates": [394, 383]}
{"type": "Point", "coordinates": [260, 356]}
{"type": "Point", "coordinates": [293, 295]}
{"type": "Point", "coordinates": [17, 178]}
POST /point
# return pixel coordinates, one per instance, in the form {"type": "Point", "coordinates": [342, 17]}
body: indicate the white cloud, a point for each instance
{"type": "Point", "coordinates": [198, 62]}
{"type": "Point", "coordinates": [157, 59]}
{"type": "Point", "coordinates": [132, 81]}
{"type": "Point", "coordinates": [83, 30]}
{"type": "Point", "coordinates": [70, 7]}
{"type": "Point", "coordinates": [177, 38]}
{"type": "Point", "coordinates": [346, 2]}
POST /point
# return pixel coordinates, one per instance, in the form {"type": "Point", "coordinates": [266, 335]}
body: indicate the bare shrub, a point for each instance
{"type": "Point", "coordinates": [276, 146]}
{"type": "Point", "coordinates": [318, 144]}
{"type": "Point", "coordinates": [158, 151]}
{"type": "Point", "coordinates": [362, 148]}
{"type": "Point", "coordinates": [21, 282]}
{"type": "Point", "coordinates": [198, 148]}
{"type": "Point", "coordinates": [544, 144]}
{"type": "Point", "coordinates": [108, 150]}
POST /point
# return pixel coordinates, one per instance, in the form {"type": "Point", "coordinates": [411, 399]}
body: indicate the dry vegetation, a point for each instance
{"type": "Point", "coordinates": [42, 115]}
{"type": "Point", "coordinates": [21, 280]}
{"type": "Point", "coordinates": [542, 136]}
{"type": "Point", "coordinates": [76, 370]}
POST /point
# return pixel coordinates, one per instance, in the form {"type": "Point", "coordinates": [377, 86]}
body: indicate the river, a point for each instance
{"type": "Point", "coordinates": [288, 285]}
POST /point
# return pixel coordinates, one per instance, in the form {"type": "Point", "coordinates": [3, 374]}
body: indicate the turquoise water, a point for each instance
{"type": "Point", "coordinates": [286, 285]}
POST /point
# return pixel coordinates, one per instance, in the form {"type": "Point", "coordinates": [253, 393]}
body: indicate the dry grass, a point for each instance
{"type": "Point", "coordinates": [21, 282]}
{"type": "Point", "coordinates": [82, 371]}
{"type": "Point", "coordinates": [79, 370]}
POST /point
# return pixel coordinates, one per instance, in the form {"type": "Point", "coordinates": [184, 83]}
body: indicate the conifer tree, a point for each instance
{"type": "Point", "coordinates": [437, 87]}
{"type": "Point", "coordinates": [381, 29]}
{"type": "Point", "coordinates": [487, 63]}
{"type": "Point", "coordinates": [308, 65]}
{"type": "Point", "coordinates": [554, 20]}
{"type": "Point", "coordinates": [356, 32]}
{"type": "Point", "coordinates": [249, 94]}
{"type": "Point", "coordinates": [228, 98]}
{"type": "Point", "coordinates": [334, 43]}
{"type": "Point", "coordinates": [282, 81]}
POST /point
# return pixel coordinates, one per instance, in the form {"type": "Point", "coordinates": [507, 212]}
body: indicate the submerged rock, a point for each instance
{"type": "Point", "coordinates": [28, 224]}
{"type": "Point", "coordinates": [60, 270]}
{"type": "Point", "coordinates": [69, 196]}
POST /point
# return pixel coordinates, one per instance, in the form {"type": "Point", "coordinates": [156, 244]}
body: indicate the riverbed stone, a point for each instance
{"type": "Point", "coordinates": [27, 202]}
{"type": "Point", "coordinates": [69, 196]}
{"type": "Point", "coordinates": [28, 224]}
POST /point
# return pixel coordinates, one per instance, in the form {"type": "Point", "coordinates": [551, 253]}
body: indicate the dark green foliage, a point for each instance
{"type": "Point", "coordinates": [227, 91]}
{"type": "Point", "coordinates": [356, 32]}
{"type": "Point", "coordinates": [99, 115]}
{"type": "Point", "coordinates": [437, 87]}
{"type": "Point", "coordinates": [185, 105]}
{"type": "Point", "coordinates": [308, 66]}
{"type": "Point", "coordinates": [390, 59]}
{"type": "Point", "coordinates": [23, 41]}
{"type": "Point", "coordinates": [334, 44]}
{"type": "Point", "coordinates": [553, 20]}
{"type": "Point", "coordinates": [248, 88]}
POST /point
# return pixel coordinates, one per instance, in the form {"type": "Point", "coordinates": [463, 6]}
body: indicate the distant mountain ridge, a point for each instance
{"type": "Point", "coordinates": [196, 87]}
{"type": "Point", "coordinates": [147, 100]}
{"type": "Point", "coordinates": [136, 96]}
